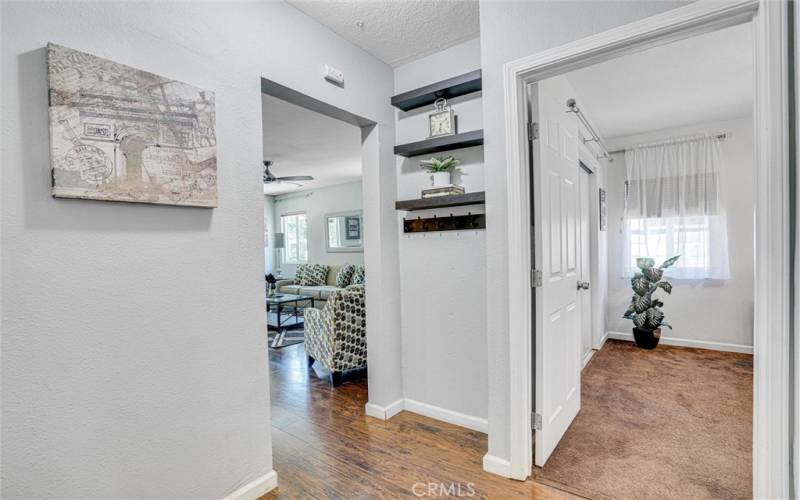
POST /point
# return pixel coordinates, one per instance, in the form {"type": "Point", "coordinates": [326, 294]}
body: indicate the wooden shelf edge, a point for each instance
{"type": "Point", "coordinates": [449, 88]}
{"type": "Point", "coordinates": [438, 144]}
{"type": "Point", "coordinates": [456, 200]}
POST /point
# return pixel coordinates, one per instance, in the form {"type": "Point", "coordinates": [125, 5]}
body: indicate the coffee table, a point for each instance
{"type": "Point", "coordinates": [289, 311]}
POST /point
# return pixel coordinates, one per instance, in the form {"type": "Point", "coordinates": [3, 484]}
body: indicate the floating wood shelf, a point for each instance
{"type": "Point", "coordinates": [438, 144]}
{"type": "Point", "coordinates": [456, 200]}
{"type": "Point", "coordinates": [450, 88]}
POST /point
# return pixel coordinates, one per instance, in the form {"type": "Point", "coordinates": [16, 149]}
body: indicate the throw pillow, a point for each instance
{"type": "Point", "coordinates": [355, 288]}
{"type": "Point", "coordinates": [315, 275]}
{"type": "Point", "coordinates": [299, 274]}
{"type": "Point", "coordinates": [360, 276]}
{"type": "Point", "coordinates": [345, 276]}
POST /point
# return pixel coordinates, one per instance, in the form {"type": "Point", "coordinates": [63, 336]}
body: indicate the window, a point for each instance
{"type": "Point", "coordinates": [674, 206]}
{"type": "Point", "coordinates": [690, 237]}
{"type": "Point", "coordinates": [295, 233]}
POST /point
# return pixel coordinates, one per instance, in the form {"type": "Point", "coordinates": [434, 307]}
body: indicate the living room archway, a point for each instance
{"type": "Point", "coordinates": [382, 294]}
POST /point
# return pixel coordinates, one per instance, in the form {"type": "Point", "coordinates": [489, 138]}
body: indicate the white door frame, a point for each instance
{"type": "Point", "coordinates": [588, 156]}
{"type": "Point", "coordinates": [771, 437]}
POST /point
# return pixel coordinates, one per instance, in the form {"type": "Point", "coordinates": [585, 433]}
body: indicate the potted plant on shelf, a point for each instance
{"type": "Point", "coordinates": [645, 310]}
{"type": "Point", "coordinates": [440, 167]}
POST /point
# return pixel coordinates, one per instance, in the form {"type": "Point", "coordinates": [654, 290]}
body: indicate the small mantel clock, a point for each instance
{"type": "Point", "coordinates": [443, 120]}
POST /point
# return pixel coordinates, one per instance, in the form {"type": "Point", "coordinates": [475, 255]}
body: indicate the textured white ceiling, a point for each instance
{"type": "Point", "coordinates": [397, 31]}
{"type": "Point", "coordinates": [701, 79]}
{"type": "Point", "coordinates": [303, 142]}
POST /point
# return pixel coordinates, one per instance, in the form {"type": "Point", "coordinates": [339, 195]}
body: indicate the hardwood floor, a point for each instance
{"type": "Point", "coordinates": [324, 446]}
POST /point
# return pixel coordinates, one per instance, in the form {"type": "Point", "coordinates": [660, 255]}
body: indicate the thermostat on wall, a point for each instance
{"type": "Point", "coordinates": [334, 75]}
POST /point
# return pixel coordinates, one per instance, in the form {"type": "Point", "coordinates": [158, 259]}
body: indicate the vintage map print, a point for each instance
{"type": "Point", "coordinates": [122, 134]}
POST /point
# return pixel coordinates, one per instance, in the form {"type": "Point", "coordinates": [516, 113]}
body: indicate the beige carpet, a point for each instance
{"type": "Point", "coordinates": [673, 422]}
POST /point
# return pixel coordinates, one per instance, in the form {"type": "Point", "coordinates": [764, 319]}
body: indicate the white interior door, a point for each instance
{"type": "Point", "coordinates": [585, 292]}
{"type": "Point", "coordinates": [557, 345]}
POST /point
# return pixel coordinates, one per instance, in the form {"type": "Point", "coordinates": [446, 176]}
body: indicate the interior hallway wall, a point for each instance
{"type": "Point", "coordinates": [700, 311]}
{"type": "Point", "coordinates": [511, 30]}
{"type": "Point", "coordinates": [443, 274]}
{"type": "Point", "coordinates": [316, 203]}
{"type": "Point", "coordinates": [134, 347]}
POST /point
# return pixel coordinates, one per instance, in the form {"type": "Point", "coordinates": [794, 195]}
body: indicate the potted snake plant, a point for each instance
{"type": "Point", "coordinates": [645, 310]}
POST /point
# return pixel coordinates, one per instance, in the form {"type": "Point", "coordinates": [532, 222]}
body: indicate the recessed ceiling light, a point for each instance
{"type": "Point", "coordinates": [360, 25]}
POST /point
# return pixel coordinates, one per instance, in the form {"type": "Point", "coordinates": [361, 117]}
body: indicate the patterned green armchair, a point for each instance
{"type": "Point", "coordinates": [336, 336]}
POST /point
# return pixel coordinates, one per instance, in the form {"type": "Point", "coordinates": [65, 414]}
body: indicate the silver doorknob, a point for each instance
{"type": "Point", "coordinates": [583, 285]}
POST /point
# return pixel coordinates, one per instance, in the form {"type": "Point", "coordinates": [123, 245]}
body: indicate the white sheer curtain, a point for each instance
{"type": "Point", "coordinates": [674, 206]}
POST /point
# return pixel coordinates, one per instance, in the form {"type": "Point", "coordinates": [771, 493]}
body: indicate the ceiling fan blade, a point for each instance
{"type": "Point", "coordinates": [296, 178]}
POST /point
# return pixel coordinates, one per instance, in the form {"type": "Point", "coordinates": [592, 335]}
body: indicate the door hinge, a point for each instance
{"type": "Point", "coordinates": [536, 278]}
{"type": "Point", "coordinates": [536, 421]}
{"type": "Point", "coordinates": [533, 131]}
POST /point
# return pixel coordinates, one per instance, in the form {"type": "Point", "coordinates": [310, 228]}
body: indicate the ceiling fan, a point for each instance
{"type": "Point", "coordinates": [270, 178]}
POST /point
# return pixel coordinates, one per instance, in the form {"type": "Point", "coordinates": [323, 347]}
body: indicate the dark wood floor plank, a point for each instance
{"type": "Point", "coordinates": [323, 476]}
{"type": "Point", "coordinates": [391, 460]}
{"type": "Point", "coordinates": [324, 445]}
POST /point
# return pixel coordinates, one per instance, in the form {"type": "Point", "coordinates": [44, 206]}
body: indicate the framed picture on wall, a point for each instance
{"type": "Point", "coordinates": [344, 231]}
{"type": "Point", "coordinates": [352, 228]}
{"type": "Point", "coordinates": [603, 210]}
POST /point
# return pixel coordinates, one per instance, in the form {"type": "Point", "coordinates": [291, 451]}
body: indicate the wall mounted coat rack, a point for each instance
{"type": "Point", "coordinates": [449, 223]}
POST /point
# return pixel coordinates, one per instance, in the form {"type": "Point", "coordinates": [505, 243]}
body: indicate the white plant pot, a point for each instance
{"type": "Point", "coordinates": [441, 179]}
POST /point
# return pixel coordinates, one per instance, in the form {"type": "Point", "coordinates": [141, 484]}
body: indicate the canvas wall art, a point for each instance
{"type": "Point", "coordinates": [122, 134]}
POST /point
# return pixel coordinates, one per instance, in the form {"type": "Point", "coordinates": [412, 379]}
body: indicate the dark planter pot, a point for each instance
{"type": "Point", "coordinates": [646, 338]}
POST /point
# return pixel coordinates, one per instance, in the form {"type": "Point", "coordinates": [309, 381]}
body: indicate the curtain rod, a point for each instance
{"type": "Point", "coordinates": [572, 107]}
{"type": "Point", "coordinates": [721, 137]}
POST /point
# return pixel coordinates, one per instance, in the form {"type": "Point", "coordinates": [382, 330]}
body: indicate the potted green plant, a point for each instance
{"type": "Point", "coordinates": [645, 310]}
{"type": "Point", "coordinates": [440, 167]}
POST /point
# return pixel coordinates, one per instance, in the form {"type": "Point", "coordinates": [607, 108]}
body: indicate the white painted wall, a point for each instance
{"type": "Point", "coordinates": [707, 310]}
{"type": "Point", "coordinates": [510, 30]}
{"type": "Point", "coordinates": [443, 274]}
{"type": "Point", "coordinates": [133, 340]}
{"type": "Point", "coordinates": [316, 203]}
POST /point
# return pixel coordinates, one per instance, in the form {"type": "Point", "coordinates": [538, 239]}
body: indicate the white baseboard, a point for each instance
{"type": "Point", "coordinates": [588, 357]}
{"type": "Point", "coordinates": [496, 465]}
{"type": "Point", "coordinates": [256, 488]}
{"type": "Point", "coordinates": [435, 412]}
{"type": "Point", "coordinates": [698, 344]}
{"type": "Point", "coordinates": [449, 416]}
{"type": "Point", "coordinates": [602, 341]}
{"type": "Point", "coordinates": [384, 412]}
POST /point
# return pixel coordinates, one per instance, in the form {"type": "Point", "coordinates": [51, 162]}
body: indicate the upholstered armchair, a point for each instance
{"type": "Point", "coordinates": [336, 336]}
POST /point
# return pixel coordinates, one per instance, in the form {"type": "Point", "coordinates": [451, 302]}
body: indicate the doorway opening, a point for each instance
{"type": "Point", "coordinates": [314, 241]}
{"type": "Point", "coordinates": [770, 339]}
{"type": "Point", "coordinates": [678, 172]}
